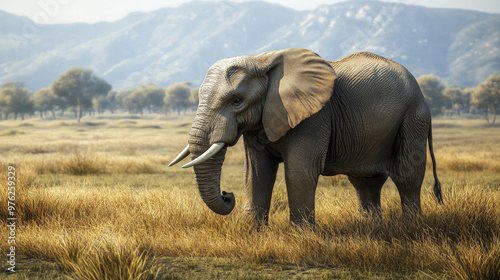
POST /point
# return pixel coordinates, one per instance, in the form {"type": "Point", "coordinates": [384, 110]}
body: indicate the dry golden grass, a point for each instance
{"type": "Point", "coordinates": [98, 200]}
{"type": "Point", "coordinates": [109, 262]}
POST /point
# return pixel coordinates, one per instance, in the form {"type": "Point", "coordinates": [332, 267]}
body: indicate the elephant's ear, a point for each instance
{"type": "Point", "coordinates": [300, 83]}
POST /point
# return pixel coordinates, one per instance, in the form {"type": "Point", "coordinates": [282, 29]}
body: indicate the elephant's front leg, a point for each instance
{"type": "Point", "coordinates": [260, 172]}
{"type": "Point", "coordinates": [304, 154]}
{"type": "Point", "coordinates": [301, 188]}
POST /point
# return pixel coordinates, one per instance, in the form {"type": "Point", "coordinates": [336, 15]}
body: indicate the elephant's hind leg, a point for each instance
{"type": "Point", "coordinates": [409, 191]}
{"type": "Point", "coordinates": [411, 160]}
{"type": "Point", "coordinates": [368, 190]}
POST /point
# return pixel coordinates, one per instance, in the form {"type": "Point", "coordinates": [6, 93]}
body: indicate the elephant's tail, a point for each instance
{"type": "Point", "coordinates": [437, 184]}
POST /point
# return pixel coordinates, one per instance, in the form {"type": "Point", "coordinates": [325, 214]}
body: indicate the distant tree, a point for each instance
{"type": "Point", "coordinates": [100, 103]}
{"type": "Point", "coordinates": [177, 96]}
{"type": "Point", "coordinates": [432, 88]}
{"type": "Point", "coordinates": [122, 98]}
{"type": "Point", "coordinates": [12, 84]}
{"type": "Point", "coordinates": [134, 102]}
{"type": "Point", "coordinates": [79, 86]}
{"type": "Point", "coordinates": [138, 98]}
{"type": "Point", "coordinates": [43, 101]}
{"type": "Point", "coordinates": [2, 106]}
{"type": "Point", "coordinates": [145, 96]}
{"type": "Point", "coordinates": [487, 97]}
{"type": "Point", "coordinates": [466, 98]}
{"type": "Point", "coordinates": [194, 98]}
{"type": "Point", "coordinates": [153, 95]}
{"type": "Point", "coordinates": [62, 104]}
{"type": "Point", "coordinates": [112, 101]}
{"type": "Point", "coordinates": [14, 98]}
{"type": "Point", "coordinates": [455, 97]}
{"type": "Point", "coordinates": [86, 106]}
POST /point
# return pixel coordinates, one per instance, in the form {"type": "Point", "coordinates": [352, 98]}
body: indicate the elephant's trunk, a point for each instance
{"type": "Point", "coordinates": [208, 178]}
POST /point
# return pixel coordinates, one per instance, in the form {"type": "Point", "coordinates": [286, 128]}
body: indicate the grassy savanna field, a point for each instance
{"type": "Point", "coordinates": [97, 198]}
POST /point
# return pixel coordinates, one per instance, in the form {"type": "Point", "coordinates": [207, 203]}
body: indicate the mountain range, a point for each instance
{"type": "Point", "coordinates": [179, 44]}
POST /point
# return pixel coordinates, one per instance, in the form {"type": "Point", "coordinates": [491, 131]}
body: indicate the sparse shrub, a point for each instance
{"type": "Point", "coordinates": [11, 132]}
{"type": "Point", "coordinates": [25, 181]}
{"type": "Point", "coordinates": [82, 164]}
{"type": "Point", "coordinates": [85, 163]}
{"type": "Point", "coordinates": [476, 262]}
{"type": "Point", "coordinates": [106, 263]}
{"type": "Point", "coordinates": [144, 166]}
{"type": "Point", "coordinates": [33, 150]}
{"type": "Point", "coordinates": [67, 254]}
{"type": "Point", "coordinates": [465, 163]}
{"type": "Point", "coordinates": [339, 181]}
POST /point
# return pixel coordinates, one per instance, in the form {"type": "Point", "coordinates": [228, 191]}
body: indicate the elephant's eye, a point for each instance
{"type": "Point", "coordinates": [237, 101]}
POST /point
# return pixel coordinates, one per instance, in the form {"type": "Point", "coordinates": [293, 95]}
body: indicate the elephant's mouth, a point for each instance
{"type": "Point", "coordinates": [238, 136]}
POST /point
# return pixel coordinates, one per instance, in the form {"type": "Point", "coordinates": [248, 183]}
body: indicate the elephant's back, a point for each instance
{"type": "Point", "coordinates": [377, 74]}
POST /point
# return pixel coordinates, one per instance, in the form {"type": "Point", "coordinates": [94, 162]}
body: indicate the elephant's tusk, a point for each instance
{"type": "Point", "coordinates": [181, 156]}
{"type": "Point", "coordinates": [216, 147]}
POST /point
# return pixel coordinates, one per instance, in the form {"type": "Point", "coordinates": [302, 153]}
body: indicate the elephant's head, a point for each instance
{"type": "Point", "coordinates": [275, 91]}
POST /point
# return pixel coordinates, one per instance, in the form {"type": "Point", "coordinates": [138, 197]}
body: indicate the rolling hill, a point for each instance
{"type": "Point", "coordinates": [179, 44]}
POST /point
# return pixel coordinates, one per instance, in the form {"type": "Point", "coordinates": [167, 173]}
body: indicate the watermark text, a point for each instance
{"type": "Point", "coordinates": [11, 218]}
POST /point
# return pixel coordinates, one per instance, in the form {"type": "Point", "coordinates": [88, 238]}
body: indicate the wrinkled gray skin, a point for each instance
{"type": "Point", "coordinates": [363, 116]}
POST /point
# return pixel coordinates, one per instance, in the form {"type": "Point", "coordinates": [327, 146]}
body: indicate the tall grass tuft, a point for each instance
{"type": "Point", "coordinates": [479, 262]}
{"type": "Point", "coordinates": [108, 262]}
{"type": "Point", "coordinates": [82, 164]}
{"type": "Point", "coordinates": [67, 254]}
{"type": "Point", "coordinates": [88, 163]}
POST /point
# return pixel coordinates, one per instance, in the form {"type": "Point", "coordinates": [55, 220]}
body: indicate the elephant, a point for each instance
{"type": "Point", "coordinates": [363, 116]}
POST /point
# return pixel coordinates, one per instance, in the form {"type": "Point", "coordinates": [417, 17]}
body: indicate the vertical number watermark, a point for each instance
{"type": "Point", "coordinates": [11, 218]}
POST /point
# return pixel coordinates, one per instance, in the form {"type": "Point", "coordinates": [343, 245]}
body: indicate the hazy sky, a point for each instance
{"type": "Point", "coordinates": [57, 11]}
